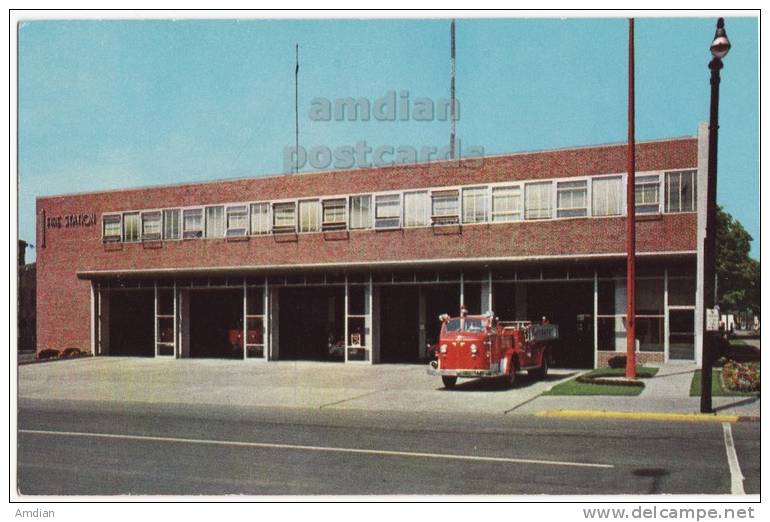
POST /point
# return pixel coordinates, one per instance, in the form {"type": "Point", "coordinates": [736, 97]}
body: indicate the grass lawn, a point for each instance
{"type": "Point", "coordinates": [573, 387]}
{"type": "Point", "coordinates": [716, 386]}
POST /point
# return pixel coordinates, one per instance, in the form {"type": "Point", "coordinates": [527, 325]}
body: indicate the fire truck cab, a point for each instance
{"type": "Point", "coordinates": [480, 346]}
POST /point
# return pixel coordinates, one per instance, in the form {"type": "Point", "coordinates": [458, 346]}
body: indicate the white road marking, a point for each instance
{"type": "Point", "coordinates": [316, 448]}
{"type": "Point", "coordinates": [736, 477]}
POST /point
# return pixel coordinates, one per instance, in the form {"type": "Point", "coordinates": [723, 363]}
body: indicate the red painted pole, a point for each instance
{"type": "Point", "coordinates": [631, 217]}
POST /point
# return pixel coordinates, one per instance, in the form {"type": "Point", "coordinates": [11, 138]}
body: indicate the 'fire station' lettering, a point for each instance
{"type": "Point", "coordinates": [71, 221]}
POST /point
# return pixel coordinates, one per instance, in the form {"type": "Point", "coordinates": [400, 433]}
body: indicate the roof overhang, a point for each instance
{"type": "Point", "coordinates": [357, 266]}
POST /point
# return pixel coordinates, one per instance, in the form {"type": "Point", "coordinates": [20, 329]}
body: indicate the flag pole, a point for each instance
{"type": "Point", "coordinates": [631, 217]}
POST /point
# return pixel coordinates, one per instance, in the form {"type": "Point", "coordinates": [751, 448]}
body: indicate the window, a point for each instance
{"type": "Point", "coordinates": [475, 203]}
{"type": "Point", "coordinates": [237, 221]}
{"type": "Point", "coordinates": [334, 214]}
{"type": "Point", "coordinates": [192, 222]}
{"type": "Point", "coordinates": [171, 224]}
{"type": "Point", "coordinates": [506, 203]}
{"type": "Point", "coordinates": [151, 226]}
{"type": "Point", "coordinates": [260, 218]}
{"type": "Point", "coordinates": [647, 194]}
{"type": "Point", "coordinates": [111, 228]}
{"type": "Point", "coordinates": [416, 209]}
{"type": "Point", "coordinates": [284, 217]}
{"type": "Point", "coordinates": [387, 211]}
{"type": "Point", "coordinates": [215, 222]}
{"type": "Point", "coordinates": [309, 215]}
{"type": "Point", "coordinates": [445, 206]}
{"type": "Point", "coordinates": [607, 196]}
{"type": "Point", "coordinates": [360, 211]}
{"type": "Point", "coordinates": [680, 191]}
{"type": "Point", "coordinates": [572, 198]}
{"type": "Point", "coordinates": [537, 200]}
{"type": "Point", "coordinates": [131, 227]}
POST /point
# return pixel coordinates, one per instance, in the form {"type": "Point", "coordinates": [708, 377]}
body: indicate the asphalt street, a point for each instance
{"type": "Point", "coordinates": [98, 448]}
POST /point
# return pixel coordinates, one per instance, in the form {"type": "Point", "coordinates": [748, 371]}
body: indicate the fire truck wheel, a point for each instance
{"type": "Point", "coordinates": [509, 381]}
{"type": "Point", "coordinates": [449, 381]}
{"type": "Point", "coordinates": [542, 372]}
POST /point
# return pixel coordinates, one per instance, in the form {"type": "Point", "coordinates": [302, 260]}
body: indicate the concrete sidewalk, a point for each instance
{"type": "Point", "coordinates": [335, 386]}
{"type": "Point", "coordinates": [667, 392]}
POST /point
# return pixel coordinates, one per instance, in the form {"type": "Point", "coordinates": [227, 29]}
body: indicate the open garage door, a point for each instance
{"type": "Point", "coordinates": [214, 315]}
{"type": "Point", "coordinates": [311, 319]}
{"type": "Point", "coordinates": [131, 329]}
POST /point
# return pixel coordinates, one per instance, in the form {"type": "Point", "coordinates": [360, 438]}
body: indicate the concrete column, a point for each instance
{"type": "Point", "coordinates": [94, 318]}
{"type": "Point", "coordinates": [620, 309]}
{"type": "Point", "coordinates": [596, 318]}
{"type": "Point", "coordinates": [702, 184]}
{"type": "Point", "coordinates": [104, 322]}
{"type": "Point", "coordinates": [273, 320]}
{"type": "Point", "coordinates": [375, 323]}
{"type": "Point", "coordinates": [520, 298]}
{"type": "Point", "coordinates": [421, 310]}
{"type": "Point", "coordinates": [183, 329]}
{"type": "Point", "coordinates": [666, 329]}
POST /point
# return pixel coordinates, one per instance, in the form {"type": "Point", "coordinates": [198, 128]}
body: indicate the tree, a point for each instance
{"type": "Point", "coordinates": [738, 275]}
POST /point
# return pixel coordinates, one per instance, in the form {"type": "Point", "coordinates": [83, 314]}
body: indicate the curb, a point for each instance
{"type": "Point", "coordinates": [646, 416]}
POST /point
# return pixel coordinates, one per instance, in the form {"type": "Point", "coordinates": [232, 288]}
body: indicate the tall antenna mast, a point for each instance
{"type": "Point", "coordinates": [452, 94]}
{"type": "Point", "coordinates": [296, 110]}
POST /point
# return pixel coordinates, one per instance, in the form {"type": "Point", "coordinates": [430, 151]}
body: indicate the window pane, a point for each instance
{"type": "Point", "coordinates": [193, 223]}
{"type": "Point", "coordinates": [680, 191]}
{"type": "Point", "coordinates": [537, 200]}
{"type": "Point", "coordinates": [215, 221]}
{"type": "Point", "coordinates": [607, 196]}
{"type": "Point", "coordinates": [151, 225]}
{"type": "Point", "coordinates": [131, 227]}
{"type": "Point", "coordinates": [475, 203]}
{"type": "Point", "coordinates": [415, 209]}
{"type": "Point", "coordinates": [445, 203]}
{"type": "Point", "coordinates": [171, 224]}
{"type": "Point", "coordinates": [387, 213]}
{"type": "Point", "coordinates": [334, 214]}
{"type": "Point", "coordinates": [360, 211]}
{"type": "Point", "coordinates": [647, 194]}
{"type": "Point", "coordinates": [237, 221]}
{"type": "Point", "coordinates": [111, 228]}
{"type": "Point", "coordinates": [506, 203]}
{"type": "Point", "coordinates": [308, 216]}
{"type": "Point", "coordinates": [283, 217]}
{"type": "Point", "coordinates": [260, 218]}
{"type": "Point", "coordinates": [572, 199]}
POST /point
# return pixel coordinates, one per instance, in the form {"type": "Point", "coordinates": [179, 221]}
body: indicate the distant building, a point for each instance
{"type": "Point", "coordinates": [358, 264]}
{"type": "Point", "coordinates": [27, 329]}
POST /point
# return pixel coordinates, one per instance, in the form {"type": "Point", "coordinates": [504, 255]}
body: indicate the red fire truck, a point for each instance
{"type": "Point", "coordinates": [480, 346]}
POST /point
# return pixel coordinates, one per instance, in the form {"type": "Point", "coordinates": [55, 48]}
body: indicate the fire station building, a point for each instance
{"type": "Point", "coordinates": [357, 265]}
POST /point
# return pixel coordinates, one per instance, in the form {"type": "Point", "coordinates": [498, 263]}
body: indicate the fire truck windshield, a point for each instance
{"type": "Point", "coordinates": [470, 325]}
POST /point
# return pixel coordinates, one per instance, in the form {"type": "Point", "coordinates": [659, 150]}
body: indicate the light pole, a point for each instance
{"type": "Point", "coordinates": [720, 46]}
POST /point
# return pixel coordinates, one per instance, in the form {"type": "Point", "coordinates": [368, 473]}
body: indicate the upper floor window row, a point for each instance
{"type": "Point", "coordinates": [549, 199]}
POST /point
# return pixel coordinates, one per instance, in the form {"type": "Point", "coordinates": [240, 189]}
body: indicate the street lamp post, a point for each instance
{"type": "Point", "coordinates": [720, 46]}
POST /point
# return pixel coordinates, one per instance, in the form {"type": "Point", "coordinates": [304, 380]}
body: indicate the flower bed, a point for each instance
{"type": "Point", "coordinates": [743, 377]}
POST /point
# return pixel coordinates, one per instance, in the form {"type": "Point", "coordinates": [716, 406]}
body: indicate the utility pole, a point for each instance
{"type": "Point", "coordinates": [631, 217]}
{"type": "Point", "coordinates": [452, 93]}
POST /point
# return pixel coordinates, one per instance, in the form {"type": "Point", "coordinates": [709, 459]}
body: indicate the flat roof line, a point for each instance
{"type": "Point", "coordinates": [420, 164]}
{"type": "Point", "coordinates": [87, 274]}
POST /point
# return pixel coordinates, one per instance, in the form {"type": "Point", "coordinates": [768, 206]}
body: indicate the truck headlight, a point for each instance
{"type": "Point", "coordinates": [443, 348]}
{"type": "Point", "coordinates": [474, 349]}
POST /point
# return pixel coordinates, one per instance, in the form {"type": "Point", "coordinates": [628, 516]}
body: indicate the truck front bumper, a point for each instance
{"type": "Point", "coordinates": [468, 372]}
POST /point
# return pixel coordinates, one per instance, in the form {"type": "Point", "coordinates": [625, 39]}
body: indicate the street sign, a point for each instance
{"type": "Point", "coordinates": [712, 320]}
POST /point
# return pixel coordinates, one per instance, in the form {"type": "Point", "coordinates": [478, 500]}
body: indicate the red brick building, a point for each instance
{"type": "Point", "coordinates": [367, 259]}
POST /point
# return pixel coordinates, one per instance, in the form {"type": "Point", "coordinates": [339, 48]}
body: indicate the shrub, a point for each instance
{"type": "Point", "coordinates": [48, 353]}
{"type": "Point", "coordinates": [618, 361]}
{"type": "Point", "coordinates": [743, 377]}
{"type": "Point", "coordinates": [71, 352]}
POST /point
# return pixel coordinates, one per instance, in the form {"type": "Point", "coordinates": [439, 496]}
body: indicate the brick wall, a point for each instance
{"type": "Point", "coordinates": [603, 358]}
{"type": "Point", "coordinates": [63, 300]}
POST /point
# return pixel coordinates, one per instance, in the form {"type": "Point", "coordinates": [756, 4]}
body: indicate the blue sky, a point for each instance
{"type": "Point", "coordinates": [109, 104]}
